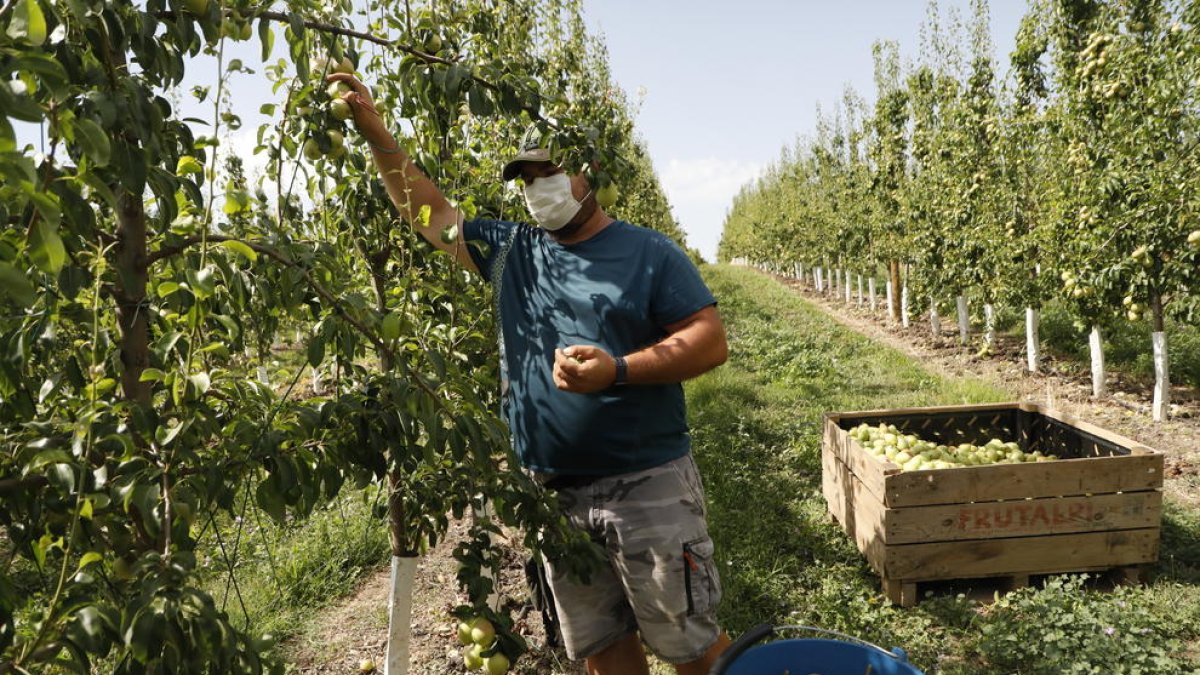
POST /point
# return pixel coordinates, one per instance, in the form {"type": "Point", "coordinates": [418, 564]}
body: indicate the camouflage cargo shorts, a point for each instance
{"type": "Point", "coordinates": [661, 579]}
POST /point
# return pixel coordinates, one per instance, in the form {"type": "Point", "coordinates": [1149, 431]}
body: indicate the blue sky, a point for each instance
{"type": "Point", "coordinates": [728, 84]}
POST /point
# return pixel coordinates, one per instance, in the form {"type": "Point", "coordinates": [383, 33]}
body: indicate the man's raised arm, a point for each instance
{"type": "Point", "coordinates": [410, 190]}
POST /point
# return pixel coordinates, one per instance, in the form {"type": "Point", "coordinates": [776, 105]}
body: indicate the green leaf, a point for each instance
{"type": "Point", "coordinates": [89, 558]}
{"type": "Point", "coordinates": [201, 382]}
{"type": "Point", "coordinates": [266, 37]}
{"type": "Point", "coordinates": [28, 24]}
{"type": "Point", "coordinates": [163, 435]}
{"type": "Point", "coordinates": [271, 501]}
{"type": "Point", "coordinates": [15, 285]}
{"type": "Point", "coordinates": [188, 164]}
{"type": "Point", "coordinates": [93, 140]}
{"type": "Point", "coordinates": [241, 249]}
{"type": "Point", "coordinates": [152, 375]}
{"type": "Point", "coordinates": [316, 351]}
{"type": "Point", "coordinates": [85, 511]}
{"type": "Point", "coordinates": [236, 201]}
{"type": "Point", "coordinates": [46, 247]}
{"type": "Point", "coordinates": [41, 546]}
{"type": "Point", "coordinates": [296, 22]}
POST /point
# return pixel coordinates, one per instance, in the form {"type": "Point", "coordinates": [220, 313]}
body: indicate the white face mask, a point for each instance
{"type": "Point", "coordinates": [551, 202]}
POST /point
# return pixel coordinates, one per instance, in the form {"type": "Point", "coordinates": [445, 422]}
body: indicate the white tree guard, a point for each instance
{"type": "Point", "coordinates": [989, 325]}
{"type": "Point", "coordinates": [1162, 378]}
{"type": "Point", "coordinates": [904, 304]}
{"type": "Point", "coordinates": [871, 291]}
{"type": "Point", "coordinates": [820, 280]}
{"type": "Point", "coordinates": [964, 319]}
{"type": "Point", "coordinates": [318, 381]}
{"type": "Point", "coordinates": [1096, 347]}
{"type": "Point", "coordinates": [263, 377]}
{"type": "Point", "coordinates": [404, 570]}
{"type": "Point", "coordinates": [849, 286]}
{"type": "Point", "coordinates": [1033, 345]}
{"type": "Point", "coordinates": [860, 291]}
{"type": "Point", "coordinates": [888, 294]}
{"type": "Point", "coordinates": [935, 320]}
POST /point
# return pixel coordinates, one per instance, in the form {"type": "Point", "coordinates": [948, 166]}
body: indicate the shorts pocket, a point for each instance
{"type": "Point", "coordinates": [700, 581]}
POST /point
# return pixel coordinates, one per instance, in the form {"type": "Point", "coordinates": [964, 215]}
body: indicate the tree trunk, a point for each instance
{"type": "Point", "coordinates": [404, 561]}
{"type": "Point", "coordinates": [133, 317]}
{"type": "Point", "coordinates": [935, 321]}
{"type": "Point", "coordinates": [895, 281]}
{"type": "Point", "coordinates": [964, 320]}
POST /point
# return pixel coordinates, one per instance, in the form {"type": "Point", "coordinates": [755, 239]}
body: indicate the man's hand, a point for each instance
{"type": "Point", "coordinates": [583, 369]}
{"type": "Point", "coordinates": [362, 107]}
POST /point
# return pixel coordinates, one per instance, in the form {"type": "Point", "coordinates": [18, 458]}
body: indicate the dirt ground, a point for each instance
{"type": "Point", "coordinates": [341, 637]}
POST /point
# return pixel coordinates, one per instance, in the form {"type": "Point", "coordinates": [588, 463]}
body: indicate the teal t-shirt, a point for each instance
{"type": "Point", "coordinates": [618, 291]}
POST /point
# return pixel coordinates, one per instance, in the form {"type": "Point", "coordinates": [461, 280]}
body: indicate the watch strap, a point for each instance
{"type": "Point", "coordinates": [622, 374]}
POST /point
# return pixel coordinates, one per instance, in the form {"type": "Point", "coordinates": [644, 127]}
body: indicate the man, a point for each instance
{"type": "Point", "coordinates": [600, 322]}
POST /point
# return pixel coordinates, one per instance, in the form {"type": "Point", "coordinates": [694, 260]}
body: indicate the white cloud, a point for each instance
{"type": "Point", "coordinates": [700, 191]}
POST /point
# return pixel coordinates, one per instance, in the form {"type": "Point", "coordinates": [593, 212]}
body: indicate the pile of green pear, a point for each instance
{"type": "Point", "coordinates": [910, 453]}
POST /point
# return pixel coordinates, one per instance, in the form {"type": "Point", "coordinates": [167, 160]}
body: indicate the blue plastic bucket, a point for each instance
{"type": "Point", "coordinates": [809, 656]}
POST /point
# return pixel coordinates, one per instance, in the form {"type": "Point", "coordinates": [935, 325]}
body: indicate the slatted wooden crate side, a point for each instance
{"type": "Point", "coordinates": [835, 479]}
{"type": "Point", "coordinates": [856, 508]}
{"type": "Point", "coordinates": [1032, 517]}
{"type": "Point", "coordinates": [1021, 555]}
{"type": "Point", "coordinates": [1069, 477]}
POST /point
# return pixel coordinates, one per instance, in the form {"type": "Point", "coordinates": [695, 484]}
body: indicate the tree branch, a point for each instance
{"type": "Point", "coordinates": [320, 290]}
{"type": "Point", "coordinates": [11, 485]}
{"type": "Point", "coordinates": [281, 17]}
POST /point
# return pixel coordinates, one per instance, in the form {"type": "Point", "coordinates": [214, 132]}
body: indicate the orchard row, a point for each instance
{"type": "Point", "coordinates": [1068, 170]}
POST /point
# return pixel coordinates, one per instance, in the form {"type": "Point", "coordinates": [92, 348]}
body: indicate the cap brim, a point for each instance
{"type": "Point", "coordinates": [513, 168]}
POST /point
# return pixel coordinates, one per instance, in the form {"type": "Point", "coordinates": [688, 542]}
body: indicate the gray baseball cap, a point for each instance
{"type": "Point", "coordinates": [513, 168]}
{"type": "Point", "coordinates": [532, 150]}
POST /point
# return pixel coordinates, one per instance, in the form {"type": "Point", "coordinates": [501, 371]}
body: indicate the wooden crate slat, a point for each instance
{"type": "Point", "coordinates": [835, 482]}
{"type": "Point", "coordinates": [1095, 475]}
{"type": "Point", "coordinates": [1021, 555]}
{"type": "Point", "coordinates": [992, 520]}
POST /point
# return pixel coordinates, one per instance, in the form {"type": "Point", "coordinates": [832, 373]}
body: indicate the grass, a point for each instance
{"type": "Point", "coordinates": [756, 434]}
{"type": "Point", "coordinates": [285, 572]}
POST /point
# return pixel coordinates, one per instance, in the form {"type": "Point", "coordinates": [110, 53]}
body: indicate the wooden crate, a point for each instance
{"type": "Point", "coordinates": [1099, 507]}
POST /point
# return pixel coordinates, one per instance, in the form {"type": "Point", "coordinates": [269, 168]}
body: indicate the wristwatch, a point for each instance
{"type": "Point", "coordinates": [622, 375]}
